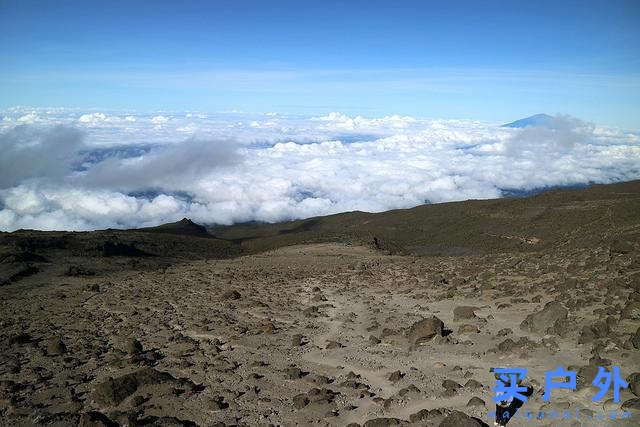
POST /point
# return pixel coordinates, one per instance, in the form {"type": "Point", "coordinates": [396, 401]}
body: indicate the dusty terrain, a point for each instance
{"type": "Point", "coordinates": [326, 321]}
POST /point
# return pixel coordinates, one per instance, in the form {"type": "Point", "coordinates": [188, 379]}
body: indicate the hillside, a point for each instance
{"type": "Point", "coordinates": [359, 319]}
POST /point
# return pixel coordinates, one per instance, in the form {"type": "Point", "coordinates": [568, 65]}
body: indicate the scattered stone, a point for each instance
{"type": "Point", "coordinates": [432, 416]}
{"type": "Point", "coordinates": [217, 403]}
{"type": "Point", "coordinates": [114, 390]}
{"type": "Point", "coordinates": [384, 422]}
{"type": "Point", "coordinates": [468, 329]}
{"type": "Point", "coordinates": [631, 405]}
{"type": "Point", "coordinates": [634, 383]}
{"type": "Point", "coordinates": [311, 311]}
{"type": "Point", "coordinates": [78, 271]}
{"type": "Point", "coordinates": [133, 347]}
{"type": "Point", "coordinates": [504, 332]}
{"type": "Point", "coordinates": [459, 419]}
{"type": "Point", "coordinates": [396, 376]}
{"type": "Point", "coordinates": [268, 328]}
{"type": "Point", "coordinates": [450, 385]}
{"type": "Point", "coordinates": [293, 373]}
{"type": "Point", "coordinates": [20, 339]}
{"type": "Point", "coordinates": [297, 340]}
{"type": "Point", "coordinates": [333, 344]}
{"type": "Point", "coordinates": [621, 247]}
{"type": "Point", "coordinates": [476, 401]}
{"type": "Point", "coordinates": [410, 389]}
{"type": "Point", "coordinates": [473, 385]}
{"type": "Point", "coordinates": [231, 295]}
{"type": "Point", "coordinates": [300, 401]}
{"type": "Point", "coordinates": [425, 329]}
{"type": "Point", "coordinates": [321, 395]}
{"type": "Point", "coordinates": [523, 344]}
{"type": "Point", "coordinates": [95, 419]}
{"type": "Point", "coordinates": [373, 340]}
{"type": "Point", "coordinates": [635, 339]}
{"type": "Point", "coordinates": [320, 379]}
{"type": "Point", "coordinates": [464, 312]}
{"type": "Point", "coordinates": [631, 310]}
{"type": "Point", "coordinates": [56, 347]}
{"type": "Point", "coordinates": [543, 321]}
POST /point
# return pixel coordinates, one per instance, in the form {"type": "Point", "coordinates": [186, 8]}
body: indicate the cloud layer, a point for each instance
{"type": "Point", "coordinates": [79, 170]}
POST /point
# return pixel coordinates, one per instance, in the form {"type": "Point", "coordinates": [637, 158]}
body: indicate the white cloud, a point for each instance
{"type": "Point", "coordinates": [159, 120]}
{"type": "Point", "coordinates": [276, 167]}
{"type": "Point", "coordinates": [31, 117]}
{"type": "Point", "coordinates": [92, 118]}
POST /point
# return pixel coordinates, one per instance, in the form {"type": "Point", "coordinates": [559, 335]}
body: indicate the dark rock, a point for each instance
{"type": "Point", "coordinates": [268, 328]}
{"type": "Point", "coordinates": [114, 390]}
{"type": "Point", "coordinates": [543, 321]}
{"type": "Point", "coordinates": [311, 311]}
{"type": "Point", "coordinates": [333, 345]}
{"type": "Point", "coordinates": [410, 389]}
{"type": "Point", "coordinates": [631, 404]}
{"type": "Point", "coordinates": [620, 246]}
{"type": "Point", "coordinates": [523, 343]}
{"type": "Point", "coordinates": [20, 339]}
{"type": "Point", "coordinates": [460, 419]}
{"type": "Point", "coordinates": [421, 415]}
{"type": "Point", "coordinates": [425, 329]}
{"type": "Point", "coordinates": [634, 383]}
{"type": "Point", "coordinates": [635, 339]}
{"type": "Point", "coordinates": [384, 422]}
{"type": "Point", "coordinates": [476, 401]}
{"type": "Point", "coordinates": [464, 312]}
{"type": "Point", "coordinates": [504, 332]}
{"type": "Point", "coordinates": [472, 385]}
{"type": "Point", "coordinates": [631, 310]}
{"type": "Point", "coordinates": [95, 419]}
{"type": "Point", "coordinates": [78, 271]}
{"type": "Point", "coordinates": [321, 395]}
{"type": "Point", "coordinates": [217, 403]}
{"type": "Point", "coordinates": [133, 346]}
{"type": "Point", "coordinates": [396, 376]}
{"type": "Point", "coordinates": [300, 401]}
{"type": "Point", "coordinates": [56, 347]}
{"type": "Point", "coordinates": [450, 385]}
{"type": "Point", "coordinates": [468, 329]}
{"type": "Point", "coordinates": [231, 295]}
{"type": "Point", "coordinates": [297, 340]}
{"type": "Point", "coordinates": [293, 373]}
{"type": "Point", "coordinates": [585, 376]}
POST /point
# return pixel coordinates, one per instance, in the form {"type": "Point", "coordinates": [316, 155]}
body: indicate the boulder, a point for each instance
{"type": "Point", "coordinates": [425, 329]}
{"type": "Point", "coordinates": [634, 383]}
{"type": "Point", "coordinates": [476, 401]}
{"type": "Point", "coordinates": [460, 419]}
{"type": "Point", "coordinates": [464, 312]}
{"type": "Point", "coordinates": [631, 310]}
{"type": "Point", "coordinates": [543, 321]}
{"type": "Point", "coordinates": [56, 347]}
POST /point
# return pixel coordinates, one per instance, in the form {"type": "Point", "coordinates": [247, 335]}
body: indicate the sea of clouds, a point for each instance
{"type": "Point", "coordinates": [68, 169]}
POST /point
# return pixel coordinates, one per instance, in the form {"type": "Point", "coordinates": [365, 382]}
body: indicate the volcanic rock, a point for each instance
{"type": "Point", "coordinates": [544, 320]}
{"type": "Point", "coordinates": [425, 329]}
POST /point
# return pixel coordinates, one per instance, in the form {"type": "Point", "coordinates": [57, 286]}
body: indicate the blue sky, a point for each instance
{"type": "Point", "coordinates": [494, 61]}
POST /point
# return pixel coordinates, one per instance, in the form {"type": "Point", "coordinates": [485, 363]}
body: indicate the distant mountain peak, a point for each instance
{"type": "Point", "coordinates": [184, 226]}
{"type": "Point", "coordinates": [537, 120]}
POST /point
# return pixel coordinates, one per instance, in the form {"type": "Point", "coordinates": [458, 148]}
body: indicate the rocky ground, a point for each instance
{"type": "Point", "coordinates": [332, 333]}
